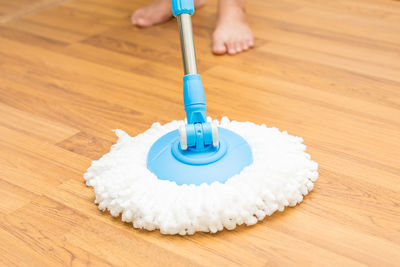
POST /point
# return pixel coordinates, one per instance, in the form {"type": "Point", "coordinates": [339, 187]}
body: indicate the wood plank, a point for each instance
{"type": "Point", "coordinates": [35, 126]}
{"type": "Point", "coordinates": [86, 145]}
{"type": "Point", "coordinates": [36, 165]}
{"type": "Point", "coordinates": [303, 17]}
{"type": "Point", "coordinates": [10, 10]}
{"type": "Point", "coordinates": [27, 240]}
{"type": "Point", "coordinates": [47, 31]}
{"type": "Point", "coordinates": [321, 77]}
{"type": "Point", "coordinates": [335, 45]}
{"type": "Point", "coordinates": [363, 67]}
{"type": "Point", "coordinates": [14, 34]}
{"type": "Point", "coordinates": [137, 251]}
{"type": "Point", "coordinates": [13, 197]}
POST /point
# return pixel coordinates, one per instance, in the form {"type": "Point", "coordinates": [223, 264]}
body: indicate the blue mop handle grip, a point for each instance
{"type": "Point", "coordinates": [182, 7]}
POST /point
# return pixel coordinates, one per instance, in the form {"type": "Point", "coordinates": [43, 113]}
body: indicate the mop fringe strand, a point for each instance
{"type": "Point", "coordinates": [280, 175]}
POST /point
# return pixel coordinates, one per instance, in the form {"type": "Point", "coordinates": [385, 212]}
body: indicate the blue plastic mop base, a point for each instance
{"type": "Point", "coordinates": [168, 162]}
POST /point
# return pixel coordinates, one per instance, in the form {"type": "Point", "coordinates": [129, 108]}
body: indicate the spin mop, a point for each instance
{"type": "Point", "coordinates": [200, 175]}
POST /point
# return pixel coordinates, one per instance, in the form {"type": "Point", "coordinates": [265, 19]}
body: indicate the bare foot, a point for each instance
{"type": "Point", "coordinates": [158, 12]}
{"type": "Point", "coordinates": [232, 33]}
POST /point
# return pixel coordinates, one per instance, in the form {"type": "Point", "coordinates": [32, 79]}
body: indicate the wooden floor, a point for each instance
{"type": "Point", "coordinates": [71, 71]}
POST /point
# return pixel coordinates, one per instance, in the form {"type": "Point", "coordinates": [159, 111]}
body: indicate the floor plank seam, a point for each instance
{"type": "Point", "coordinates": [24, 12]}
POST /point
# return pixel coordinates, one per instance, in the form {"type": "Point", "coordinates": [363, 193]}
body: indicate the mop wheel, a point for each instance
{"type": "Point", "coordinates": [280, 175]}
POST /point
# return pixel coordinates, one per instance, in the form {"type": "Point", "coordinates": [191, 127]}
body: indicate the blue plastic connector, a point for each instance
{"type": "Point", "coordinates": [182, 7]}
{"type": "Point", "coordinates": [194, 99]}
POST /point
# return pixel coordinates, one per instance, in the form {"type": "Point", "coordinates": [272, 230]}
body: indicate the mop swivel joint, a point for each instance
{"type": "Point", "coordinates": [198, 136]}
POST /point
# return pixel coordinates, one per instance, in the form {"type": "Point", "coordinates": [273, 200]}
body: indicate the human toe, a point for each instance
{"type": "Point", "coordinates": [238, 47]}
{"type": "Point", "coordinates": [219, 48]}
{"type": "Point", "coordinates": [244, 45]}
{"type": "Point", "coordinates": [218, 45]}
{"type": "Point", "coordinates": [250, 42]}
{"type": "Point", "coordinates": [138, 19]}
{"type": "Point", "coordinates": [231, 48]}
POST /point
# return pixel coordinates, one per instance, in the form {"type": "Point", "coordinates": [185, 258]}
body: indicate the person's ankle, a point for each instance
{"type": "Point", "coordinates": [233, 11]}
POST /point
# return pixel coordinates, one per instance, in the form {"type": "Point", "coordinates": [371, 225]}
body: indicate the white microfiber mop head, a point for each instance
{"type": "Point", "coordinates": [280, 175]}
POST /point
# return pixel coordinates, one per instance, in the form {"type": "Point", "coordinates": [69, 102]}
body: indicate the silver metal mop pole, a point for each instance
{"type": "Point", "coordinates": [187, 44]}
